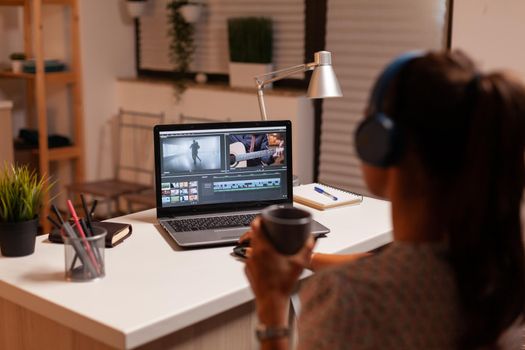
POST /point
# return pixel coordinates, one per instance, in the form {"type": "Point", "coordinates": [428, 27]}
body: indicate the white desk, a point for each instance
{"type": "Point", "coordinates": [154, 294]}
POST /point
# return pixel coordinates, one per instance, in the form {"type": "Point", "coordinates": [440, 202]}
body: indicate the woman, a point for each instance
{"type": "Point", "coordinates": [453, 169]}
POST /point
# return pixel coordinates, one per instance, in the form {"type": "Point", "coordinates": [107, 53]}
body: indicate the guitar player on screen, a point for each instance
{"type": "Point", "coordinates": [249, 150]}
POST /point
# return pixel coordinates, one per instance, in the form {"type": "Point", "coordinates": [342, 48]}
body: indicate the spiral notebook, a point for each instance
{"type": "Point", "coordinates": [308, 195]}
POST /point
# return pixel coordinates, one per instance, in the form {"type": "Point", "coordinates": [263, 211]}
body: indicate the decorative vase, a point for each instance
{"type": "Point", "coordinates": [18, 238]}
{"type": "Point", "coordinates": [243, 74]}
{"type": "Point", "coordinates": [136, 8]}
{"type": "Point", "coordinates": [191, 12]}
{"type": "Point", "coordinates": [201, 78]}
{"type": "Point", "coordinates": [16, 66]}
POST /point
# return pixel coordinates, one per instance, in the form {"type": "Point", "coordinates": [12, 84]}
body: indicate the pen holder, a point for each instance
{"type": "Point", "coordinates": [84, 257]}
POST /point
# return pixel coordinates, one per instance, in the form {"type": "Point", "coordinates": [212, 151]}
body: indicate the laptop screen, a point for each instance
{"type": "Point", "coordinates": [208, 165]}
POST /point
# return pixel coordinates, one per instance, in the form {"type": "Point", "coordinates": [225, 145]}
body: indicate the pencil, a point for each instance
{"type": "Point", "coordinates": [87, 214]}
{"type": "Point", "coordinates": [92, 211]}
{"type": "Point", "coordinates": [82, 235]}
{"type": "Point", "coordinates": [51, 220]}
{"type": "Point", "coordinates": [57, 213]}
{"type": "Point", "coordinates": [92, 242]}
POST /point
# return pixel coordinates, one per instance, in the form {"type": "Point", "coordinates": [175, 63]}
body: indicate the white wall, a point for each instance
{"type": "Point", "coordinates": [492, 31]}
{"type": "Point", "coordinates": [12, 40]}
{"type": "Point", "coordinates": [11, 20]}
{"type": "Point", "coordinates": [108, 52]}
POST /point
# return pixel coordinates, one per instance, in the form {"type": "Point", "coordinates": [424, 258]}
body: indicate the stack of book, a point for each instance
{"type": "Point", "coordinates": [29, 66]}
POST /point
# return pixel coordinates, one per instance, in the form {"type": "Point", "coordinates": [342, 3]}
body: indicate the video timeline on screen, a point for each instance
{"type": "Point", "coordinates": [224, 189]}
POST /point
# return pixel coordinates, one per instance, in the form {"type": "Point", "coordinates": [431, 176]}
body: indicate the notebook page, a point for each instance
{"type": "Point", "coordinates": [306, 194]}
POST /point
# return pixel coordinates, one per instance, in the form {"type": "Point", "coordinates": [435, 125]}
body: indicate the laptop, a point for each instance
{"type": "Point", "coordinates": [212, 179]}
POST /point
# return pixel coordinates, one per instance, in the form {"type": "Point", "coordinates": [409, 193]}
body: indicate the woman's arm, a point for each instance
{"type": "Point", "coordinates": [273, 277]}
{"type": "Point", "coordinates": [272, 311]}
{"type": "Point", "coordinates": [319, 261]}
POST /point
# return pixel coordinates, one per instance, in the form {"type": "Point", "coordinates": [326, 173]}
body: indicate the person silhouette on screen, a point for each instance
{"type": "Point", "coordinates": [195, 152]}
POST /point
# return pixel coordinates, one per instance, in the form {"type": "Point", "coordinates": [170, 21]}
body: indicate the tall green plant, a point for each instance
{"type": "Point", "coordinates": [182, 45]}
{"type": "Point", "coordinates": [21, 193]}
{"type": "Point", "coordinates": [250, 39]}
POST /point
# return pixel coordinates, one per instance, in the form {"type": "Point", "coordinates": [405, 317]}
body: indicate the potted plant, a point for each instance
{"type": "Point", "coordinates": [136, 8]}
{"type": "Point", "coordinates": [191, 11]}
{"type": "Point", "coordinates": [21, 193]}
{"type": "Point", "coordinates": [182, 44]}
{"type": "Point", "coordinates": [250, 41]}
{"type": "Point", "coordinates": [17, 60]}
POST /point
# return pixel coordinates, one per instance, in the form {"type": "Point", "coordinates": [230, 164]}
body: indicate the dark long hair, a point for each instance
{"type": "Point", "coordinates": [468, 131]}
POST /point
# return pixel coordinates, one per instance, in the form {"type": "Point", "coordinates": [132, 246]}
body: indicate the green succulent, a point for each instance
{"type": "Point", "coordinates": [21, 193]}
{"type": "Point", "coordinates": [250, 39]}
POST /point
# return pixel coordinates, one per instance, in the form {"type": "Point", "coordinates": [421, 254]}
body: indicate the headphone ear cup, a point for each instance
{"type": "Point", "coordinates": [377, 141]}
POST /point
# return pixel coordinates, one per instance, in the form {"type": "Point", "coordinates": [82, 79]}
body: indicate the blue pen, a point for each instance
{"type": "Point", "coordinates": [320, 190]}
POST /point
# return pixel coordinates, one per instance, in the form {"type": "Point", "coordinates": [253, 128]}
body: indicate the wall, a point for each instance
{"type": "Point", "coordinates": [11, 20]}
{"type": "Point", "coordinates": [108, 52]}
{"type": "Point", "coordinates": [492, 31]}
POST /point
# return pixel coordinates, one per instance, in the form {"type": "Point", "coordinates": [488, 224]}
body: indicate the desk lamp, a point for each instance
{"type": "Point", "coordinates": [323, 83]}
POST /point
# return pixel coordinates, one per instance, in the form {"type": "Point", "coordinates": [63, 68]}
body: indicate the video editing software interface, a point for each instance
{"type": "Point", "coordinates": [223, 165]}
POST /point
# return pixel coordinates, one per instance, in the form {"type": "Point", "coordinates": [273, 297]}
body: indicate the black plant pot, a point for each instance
{"type": "Point", "coordinates": [18, 238]}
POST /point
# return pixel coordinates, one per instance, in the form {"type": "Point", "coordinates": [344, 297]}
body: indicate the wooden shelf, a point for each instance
{"type": "Point", "coordinates": [57, 153]}
{"type": "Point", "coordinates": [22, 2]}
{"type": "Point", "coordinates": [65, 77]}
{"type": "Point", "coordinates": [36, 90]}
{"type": "Point", "coordinates": [63, 153]}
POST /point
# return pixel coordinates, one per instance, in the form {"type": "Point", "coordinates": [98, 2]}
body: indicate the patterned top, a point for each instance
{"type": "Point", "coordinates": [404, 297]}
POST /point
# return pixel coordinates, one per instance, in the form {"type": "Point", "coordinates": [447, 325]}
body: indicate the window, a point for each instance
{"type": "Point", "coordinates": [211, 35]}
{"type": "Point", "coordinates": [364, 35]}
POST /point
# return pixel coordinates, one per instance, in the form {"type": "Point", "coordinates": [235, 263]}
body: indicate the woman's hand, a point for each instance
{"type": "Point", "coordinates": [272, 275]}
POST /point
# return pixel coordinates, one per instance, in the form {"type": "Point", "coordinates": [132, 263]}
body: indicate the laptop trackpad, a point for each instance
{"type": "Point", "coordinates": [231, 233]}
{"type": "Point", "coordinates": [224, 235]}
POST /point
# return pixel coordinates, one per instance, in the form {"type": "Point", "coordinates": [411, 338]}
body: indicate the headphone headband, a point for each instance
{"type": "Point", "coordinates": [377, 138]}
{"type": "Point", "coordinates": [389, 73]}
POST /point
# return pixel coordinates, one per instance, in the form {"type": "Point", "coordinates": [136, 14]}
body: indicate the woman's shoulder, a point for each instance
{"type": "Point", "coordinates": [412, 284]}
{"type": "Point", "coordinates": [394, 267]}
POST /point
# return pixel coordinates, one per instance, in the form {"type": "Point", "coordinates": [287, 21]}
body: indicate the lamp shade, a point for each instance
{"type": "Point", "coordinates": [323, 83]}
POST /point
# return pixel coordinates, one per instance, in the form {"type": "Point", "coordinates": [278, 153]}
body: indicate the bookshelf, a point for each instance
{"type": "Point", "coordinates": [36, 104]}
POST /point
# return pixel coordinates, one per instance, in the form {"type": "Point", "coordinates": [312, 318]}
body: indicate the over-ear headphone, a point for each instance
{"type": "Point", "coordinates": [377, 139]}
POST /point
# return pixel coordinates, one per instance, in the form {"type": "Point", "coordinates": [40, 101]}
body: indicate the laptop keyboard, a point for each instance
{"type": "Point", "coordinates": [198, 224]}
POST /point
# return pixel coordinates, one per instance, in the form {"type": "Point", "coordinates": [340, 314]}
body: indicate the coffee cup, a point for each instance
{"type": "Point", "coordinates": [286, 227]}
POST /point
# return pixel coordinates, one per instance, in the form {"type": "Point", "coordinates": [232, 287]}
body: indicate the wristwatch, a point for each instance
{"type": "Point", "coordinates": [264, 332]}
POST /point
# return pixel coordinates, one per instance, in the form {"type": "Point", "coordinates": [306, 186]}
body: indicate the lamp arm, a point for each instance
{"type": "Point", "coordinates": [262, 80]}
{"type": "Point", "coordinates": [262, 108]}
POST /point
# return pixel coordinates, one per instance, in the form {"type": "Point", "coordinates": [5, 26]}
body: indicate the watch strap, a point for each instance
{"type": "Point", "coordinates": [264, 332]}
